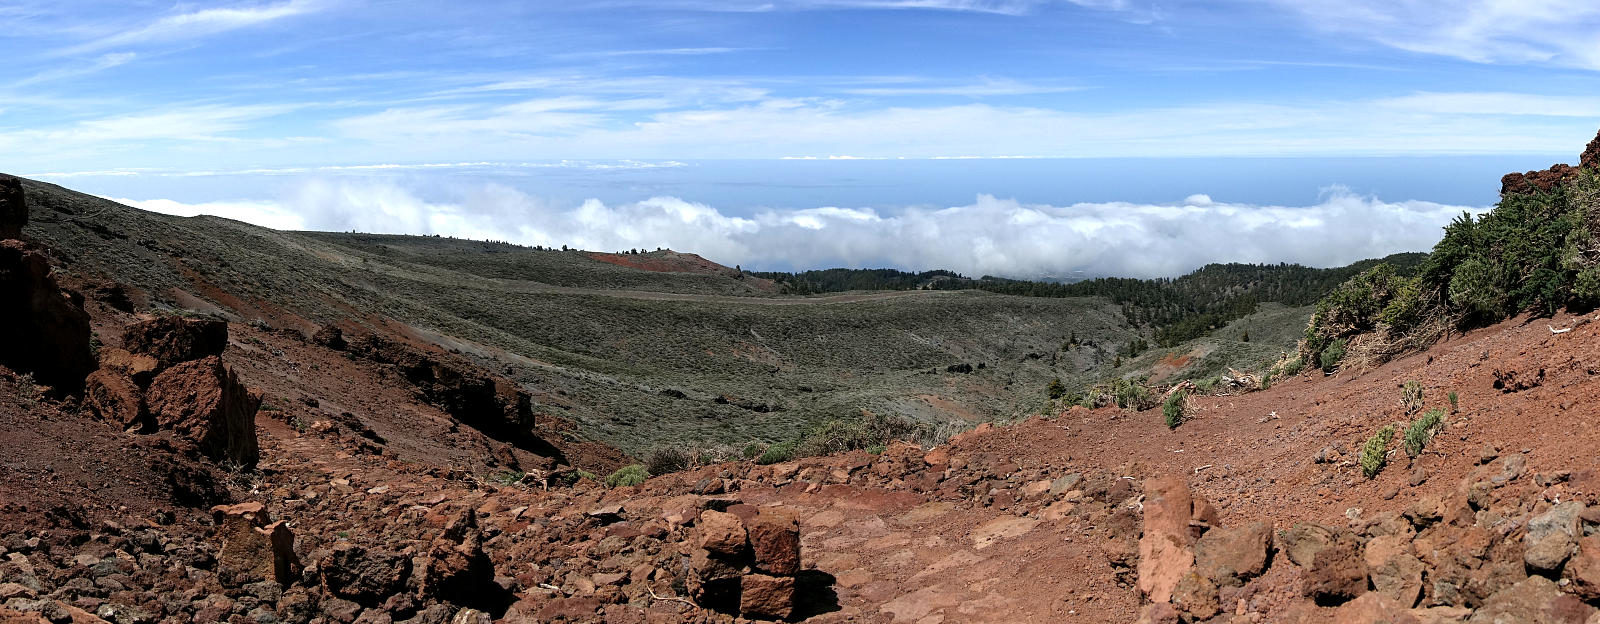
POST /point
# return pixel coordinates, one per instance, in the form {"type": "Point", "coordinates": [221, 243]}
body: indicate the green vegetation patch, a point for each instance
{"type": "Point", "coordinates": [1174, 407]}
{"type": "Point", "coordinates": [1420, 431]}
{"type": "Point", "coordinates": [1374, 454]}
{"type": "Point", "coordinates": [628, 476]}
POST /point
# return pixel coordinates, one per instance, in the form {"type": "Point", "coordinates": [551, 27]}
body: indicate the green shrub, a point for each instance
{"type": "Point", "coordinates": [751, 451]}
{"type": "Point", "coordinates": [1173, 408]}
{"type": "Point", "coordinates": [1130, 393]}
{"type": "Point", "coordinates": [507, 477]}
{"type": "Point", "coordinates": [627, 476]}
{"type": "Point", "coordinates": [1455, 405]}
{"type": "Point", "coordinates": [1373, 453]}
{"type": "Point", "coordinates": [778, 453]}
{"type": "Point", "coordinates": [1420, 431]}
{"type": "Point", "coordinates": [1328, 360]}
{"type": "Point", "coordinates": [1055, 389]}
{"type": "Point", "coordinates": [1411, 397]}
{"type": "Point", "coordinates": [871, 429]}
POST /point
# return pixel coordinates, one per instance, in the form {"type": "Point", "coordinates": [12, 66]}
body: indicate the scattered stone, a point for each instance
{"type": "Point", "coordinates": [1582, 570]}
{"type": "Point", "coordinates": [1304, 541]}
{"type": "Point", "coordinates": [1418, 475]}
{"type": "Point", "coordinates": [1374, 607]}
{"type": "Point", "coordinates": [113, 396]}
{"type": "Point", "coordinates": [366, 577]}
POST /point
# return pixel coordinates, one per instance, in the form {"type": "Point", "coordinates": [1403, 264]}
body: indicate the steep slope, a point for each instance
{"type": "Point", "coordinates": [637, 357]}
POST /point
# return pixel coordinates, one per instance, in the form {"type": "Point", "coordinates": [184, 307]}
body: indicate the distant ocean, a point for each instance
{"type": "Point", "coordinates": [741, 187]}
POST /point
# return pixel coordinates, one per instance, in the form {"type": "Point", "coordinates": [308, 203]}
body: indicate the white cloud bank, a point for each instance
{"type": "Point", "coordinates": [989, 236]}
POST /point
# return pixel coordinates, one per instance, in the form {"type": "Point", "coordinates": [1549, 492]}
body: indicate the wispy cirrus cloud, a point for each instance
{"type": "Point", "coordinates": [194, 25]}
{"type": "Point", "coordinates": [1555, 32]}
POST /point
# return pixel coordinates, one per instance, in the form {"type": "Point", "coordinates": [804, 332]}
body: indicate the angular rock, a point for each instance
{"type": "Point", "coordinates": [1165, 555]}
{"type": "Point", "coordinates": [1304, 541]}
{"type": "Point", "coordinates": [13, 208]}
{"type": "Point", "coordinates": [722, 533]}
{"type": "Point", "coordinates": [767, 597]}
{"type": "Point", "coordinates": [1552, 536]}
{"type": "Point", "coordinates": [141, 368]}
{"type": "Point", "coordinates": [1534, 600]}
{"type": "Point", "coordinates": [1590, 159]}
{"type": "Point", "coordinates": [175, 339]}
{"type": "Point", "coordinates": [1229, 557]}
{"type": "Point", "coordinates": [1583, 569]}
{"type": "Point", "coordinates": [775, 541]}
{"type": "Point", "coordinates": [113, 396]}
{"type": "Point", "coordinates": [44, 330]}
{"type": "Point", "coordinates": [1399, 578]}
{"type": "Point", "coordinates": [365, 576]}
{"type": "Point", "coordinates": [252, 550]}
{"type": "Point", "coordinates": [1158, 613]}
{"type": "Point", "coordinates": [1196, 595]}
{"type": "Point", "coordinates": [204, 402]}
{"type": "Point", "coordinates": [1373, 607]}
{"type": "Point", "coordinates": [1337, 572]}
{"type": "Point", "coordinates": [457, 568]}
{"type": "Point", "coordinates": [330, 336]}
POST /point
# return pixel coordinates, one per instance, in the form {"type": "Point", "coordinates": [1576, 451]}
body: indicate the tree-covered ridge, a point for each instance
{"type": "Point", "coordinates": [1176, 309]}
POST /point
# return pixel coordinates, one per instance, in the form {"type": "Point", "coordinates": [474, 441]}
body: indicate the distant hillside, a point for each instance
{"type": "Point", "coordinates": [1176, 309]}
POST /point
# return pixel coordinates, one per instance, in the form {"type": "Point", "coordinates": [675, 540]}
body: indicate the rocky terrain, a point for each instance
{"type": "Point", "coordinates": [211, 467]}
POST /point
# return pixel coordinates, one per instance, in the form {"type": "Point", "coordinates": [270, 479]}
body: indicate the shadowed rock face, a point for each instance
{"type": "Point", "coordinates": [43, 330]}
{"type": "Point", "coordinates": [13, 211]}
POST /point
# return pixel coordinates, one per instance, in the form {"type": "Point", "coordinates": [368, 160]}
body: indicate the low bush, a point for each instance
{"type": "Point", "coordinates": [1455, 405]}
{"type": "Point", "coordinates": [778, 453]}
{"type": "Point", "coordinates": [1174, 407]}
{"type": "Point", "coordinates": [1411, 397]}
{"type": "Point", "coordinates": [1420, 431]}
{"type": "Point", "coordinates": [1374, 452]}
{"type": "Point", "coordinates": [627, 476]}
{"type": "Point", "coordinates": [1328, 359]}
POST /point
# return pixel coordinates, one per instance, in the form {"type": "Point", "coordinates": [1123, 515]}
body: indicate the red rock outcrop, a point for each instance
{"type": "Point", "coordinates": [174, 339]}
{"type": "Point", "coordinates": [1165, 549]}
{"type": "Point", "coordinates": [1547, 179]}
{"type": "Point", "coordinates": [44, 329]}
{"type": "Point", "coordinates": [203, 401]}
{"type": "Point", "coordinates": [746, 561]}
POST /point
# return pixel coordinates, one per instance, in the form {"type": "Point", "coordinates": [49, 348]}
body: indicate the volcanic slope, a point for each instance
{"type": "Point", "coordinates": [640, 349]}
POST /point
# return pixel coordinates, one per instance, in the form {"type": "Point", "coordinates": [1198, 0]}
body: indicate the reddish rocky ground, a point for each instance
{"type": "Point", "coordinates": [213, 472]}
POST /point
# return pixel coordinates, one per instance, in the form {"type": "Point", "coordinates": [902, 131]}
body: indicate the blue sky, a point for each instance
{"type": "Point", "coordinates": [328, 91]}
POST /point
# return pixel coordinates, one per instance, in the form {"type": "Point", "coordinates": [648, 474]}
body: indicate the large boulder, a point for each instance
{"type": "Point", "coordinates": [1583, 569]}
{"type": "Point", "coordinates": [1231, 556]}
{"type": "Point", "coordinates": [174, 339]}
{"type": "Point", "coordinates": [1165, 553]}
{"type": "Point", "coordinates": [203, 401]}
{"type": "Point", "coordinates": [13, 210]}
{"type": "Point", "coordinates": [43, 330]}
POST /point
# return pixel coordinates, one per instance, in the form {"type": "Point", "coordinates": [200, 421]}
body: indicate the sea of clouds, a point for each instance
{"type": "Point", "coordinates": [990, 236]}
